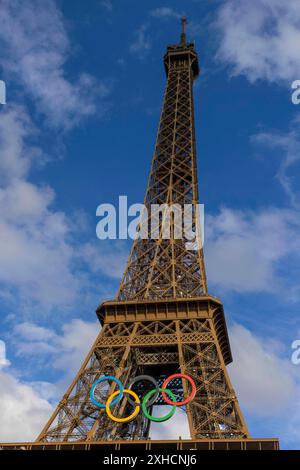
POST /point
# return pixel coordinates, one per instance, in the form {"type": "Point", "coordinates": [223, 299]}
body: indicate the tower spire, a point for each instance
{"type": "Point", "coordinates": [183, 31]}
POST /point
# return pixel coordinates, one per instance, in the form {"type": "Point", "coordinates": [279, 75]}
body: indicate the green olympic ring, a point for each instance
{"type": "Point", "coordinates": [162, 418]}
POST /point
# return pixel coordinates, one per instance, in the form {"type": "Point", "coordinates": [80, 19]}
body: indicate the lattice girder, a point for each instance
{"type": "Point", "coordinates": [166, 268]}
{"type": "Point", "coordinates": [129, 348]}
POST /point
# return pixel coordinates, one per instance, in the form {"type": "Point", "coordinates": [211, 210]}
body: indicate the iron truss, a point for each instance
{"type": "Point", "coordinates": [189, 337]}
{"type": "Point", "coordinates": [164, 268]}
{"type": "Point", "coordinates": [162, 321]}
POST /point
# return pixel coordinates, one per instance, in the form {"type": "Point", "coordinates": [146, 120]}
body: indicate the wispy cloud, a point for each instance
{"type": "Point", "coordinates": [36, 241]}
{"type": "Point", "coordinates": [17, 154]}
{"type": "Point", "coordinates": [141, 44]}
{"type": "Point", "coordinates": [31, 233]}
{"type": "Point", "coordinates": [40, 260]}
{"type": "Point", "coordinates": [259, 39]}
{"type": "Point", "coordinates": [164, 12]}
{"type": "Point", "coordinates": [245, 250]}
{"type": "Point", "coordinates": [35, 48]}
{"type": "Point", "coordinates": [288, 146]}
{"type": "Point", "coordinates": [107, 4]}
{"type": "Point", "coordinates": [66, 349]}
{"type": "Point", "coordinates": [111, 260]}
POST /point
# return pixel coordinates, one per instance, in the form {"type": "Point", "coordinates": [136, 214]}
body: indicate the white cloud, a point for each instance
{"type": "Point", "coordinates": [142, 44]}
{"type": "Point", "coordinates": [38, 257]}
{"type": "Point", "coordinates": [107, 4]}
{"type": "Point", "coordinates": [259, 39]}
{"type": "Point", "coordinates": [33, 332]}
{"type": "Point", "coordinates": [75, 342]}
{"type": "Point", "coordinates": [164, 12]}
{"type": "Point", "coordinates": [23, 410]}
{"type": "Point", "coordinates": [35, 255]}
{"type": "Point", "coordinates": [37, 260]}
{"type": "Point", "coordinates": [288, 145]}
{"type": "Point", "coordinates": [265, 383]}
{"type": "Point", "coordinates": [111, 260]}
{"type": "Point", "coordinates": [66, 350]}
{"type": "Point", "coordinates": [15, 128]}
{"type": "Point", "coordinates": [175, 428]}
{"type": "Point", "coordinates": [33, 246]}
{"type": "Point", "coordinates": [26, 406]}
{"type": "Point", "coordinates": [35, 47]}
{"type": "Point", "coordinates": [244, 248]}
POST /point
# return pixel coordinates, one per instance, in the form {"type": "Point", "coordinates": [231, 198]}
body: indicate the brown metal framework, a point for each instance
{"type": "Point", "coordinates": [165, 268]}
{"type": "Point", "coordinates": [149, 446]}
{"type": "Point", "coordinates": [163, 319]}
{"type": "Point", "coordinates": [153, 337]}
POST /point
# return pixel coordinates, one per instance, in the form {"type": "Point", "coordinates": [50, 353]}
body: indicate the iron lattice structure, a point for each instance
{"type": "Point", "coordinates": [163, 319]}
{"type": "Point", "coordinates": [166, 268]}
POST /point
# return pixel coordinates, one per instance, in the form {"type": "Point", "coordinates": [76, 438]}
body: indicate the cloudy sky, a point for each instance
{"type": "Point", "coordinates": [84, 88]}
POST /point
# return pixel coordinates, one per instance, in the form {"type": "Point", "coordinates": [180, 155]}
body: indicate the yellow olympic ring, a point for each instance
{"type": "Point", "coordinates": [130, 417]}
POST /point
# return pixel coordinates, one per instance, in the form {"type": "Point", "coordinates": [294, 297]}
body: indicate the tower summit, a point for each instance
{"type": "Point", "coordinates": [183, 32]}
{"type": "Point", "coordinates": [181, 52]}
{"type": "Point", "coordinates": [163, 321]}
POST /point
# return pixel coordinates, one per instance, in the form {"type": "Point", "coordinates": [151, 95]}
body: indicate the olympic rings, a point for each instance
{"type": "Point", "coordinates": [129, 418]}
{"type": "Point", "coordinates": [148, 400]}
{"type": "Point", "coordinates": [189, 398]}
{"type": "Point", "coordinates": [161, 418]}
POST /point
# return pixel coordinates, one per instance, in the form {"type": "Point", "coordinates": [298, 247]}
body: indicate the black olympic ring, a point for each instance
{"type": "Point", "coordinates": [138, 378]}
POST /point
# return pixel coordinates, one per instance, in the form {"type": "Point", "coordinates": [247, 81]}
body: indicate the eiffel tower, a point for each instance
{"type": "Point", "coordinates": [163, 320]}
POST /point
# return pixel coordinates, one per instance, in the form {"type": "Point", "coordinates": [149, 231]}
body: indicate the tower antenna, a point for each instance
{"type": "Point", "coordinates": [183, 31]}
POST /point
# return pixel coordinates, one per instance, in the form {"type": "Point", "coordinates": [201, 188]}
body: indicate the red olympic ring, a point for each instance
{"type": "Point", "coordinates": [188, 399]}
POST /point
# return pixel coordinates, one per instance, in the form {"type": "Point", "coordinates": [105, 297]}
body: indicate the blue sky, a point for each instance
{"type": "Point", "coordinates": [84, 89]}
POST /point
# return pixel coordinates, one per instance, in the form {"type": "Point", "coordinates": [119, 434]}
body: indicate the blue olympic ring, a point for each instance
{"type": "Point", "coordinates": [103, 379]}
